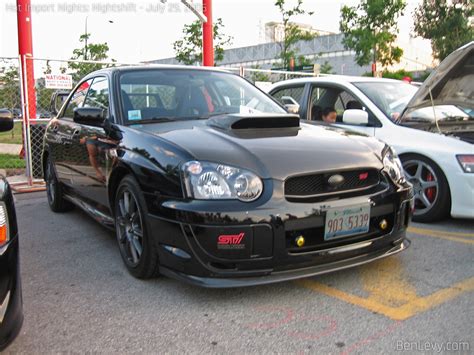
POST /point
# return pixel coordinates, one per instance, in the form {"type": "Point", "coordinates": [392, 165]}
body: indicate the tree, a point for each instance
{"type": "Point", "coordinates": [95, 52]}
{"type": "Point", "coordinates": [326, 68]}
{"type": "Point", "coordinates": [10, 94]}
{"type": "Point", "coordinates": [445, 23]}
{"type": "Point", "coordinates": [370, 29]}
{"type": "Point", "coordinates": [188, 50]}
{"type": "Point", "coordinates": [292, 33]}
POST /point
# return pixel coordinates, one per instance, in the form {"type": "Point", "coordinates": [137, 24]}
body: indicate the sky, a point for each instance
{"type": "Point", "coordinates": [145, 29]}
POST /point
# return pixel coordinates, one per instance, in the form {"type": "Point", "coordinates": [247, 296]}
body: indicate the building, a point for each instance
{"type": "Point", "coordinates": [275, 31]}
{"type": "Point", "coordinates": [321, 49]}
{"type": "Point", "coordinates": [324, 48]}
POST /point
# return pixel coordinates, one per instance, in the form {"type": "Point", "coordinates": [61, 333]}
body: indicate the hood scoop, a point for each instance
{"type": "Point", "coordinates": [244, 121]}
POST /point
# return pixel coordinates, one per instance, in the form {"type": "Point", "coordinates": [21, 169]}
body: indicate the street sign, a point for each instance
{"type": "Point", "coordinates": [58, 81]}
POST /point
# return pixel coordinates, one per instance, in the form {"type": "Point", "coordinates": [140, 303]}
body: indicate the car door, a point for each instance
{"type": "Point", "coordinates": [63, 138]}
{"type": "Point", "coordinates": [341, 99]}
{"type": "Point", "coordinates": [93, 160]}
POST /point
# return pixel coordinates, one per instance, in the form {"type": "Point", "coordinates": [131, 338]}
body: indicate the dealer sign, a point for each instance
{"type": "Point", "coordinates": [58, 81]}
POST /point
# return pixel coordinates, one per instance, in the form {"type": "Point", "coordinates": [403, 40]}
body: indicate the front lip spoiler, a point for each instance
{"type": "Point", "coordinates": [281, 276]}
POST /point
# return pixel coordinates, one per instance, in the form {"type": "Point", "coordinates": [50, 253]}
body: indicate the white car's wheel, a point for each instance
{"type": "Point", "coordinates": [430, 187]}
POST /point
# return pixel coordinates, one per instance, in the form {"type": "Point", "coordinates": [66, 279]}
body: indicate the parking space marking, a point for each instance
{"type": "Point", "coordinates": [389, 294]}
{"type": "Point", "coordinates": [453, 236]}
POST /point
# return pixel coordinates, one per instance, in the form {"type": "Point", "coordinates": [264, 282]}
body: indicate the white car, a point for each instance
{"type": "Point", "coordinates": [432, 131]}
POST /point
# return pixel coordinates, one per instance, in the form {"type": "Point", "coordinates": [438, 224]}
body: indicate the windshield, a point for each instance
{"type": "Point", "coordinates": [178, 94]}
{"type": "Point", "coordinates": [390, 97]}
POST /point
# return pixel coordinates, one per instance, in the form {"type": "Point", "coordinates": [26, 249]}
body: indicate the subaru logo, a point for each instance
{"type": "Point", "coordinates": [336, 180]}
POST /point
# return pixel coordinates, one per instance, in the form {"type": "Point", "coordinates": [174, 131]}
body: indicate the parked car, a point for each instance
{"type": "Point", "coordinates": [434, 139]}
{"type": "Point", "coordinates": [11, 308]}
{"type": "Point", "coordinates": [207, 179]}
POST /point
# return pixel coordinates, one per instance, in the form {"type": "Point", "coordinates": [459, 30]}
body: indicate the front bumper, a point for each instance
{"type": "Point", "coordinates": [280, 276]}
{"type": "Point", "coordinates": [187, 234]}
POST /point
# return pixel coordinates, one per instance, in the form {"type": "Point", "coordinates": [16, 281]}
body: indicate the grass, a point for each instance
{"type": "Point", "coordinates": [8, 161]}
{"type": "Point", "coordinates": [12, 137]}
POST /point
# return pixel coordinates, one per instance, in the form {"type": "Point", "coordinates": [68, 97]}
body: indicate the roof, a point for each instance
{"type": "Point", "coordinates": [153, 67]}
{"type": "Point", "coordinates": [335, 79]}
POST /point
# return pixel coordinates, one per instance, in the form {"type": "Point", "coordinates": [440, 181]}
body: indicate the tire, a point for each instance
{"type": "Point", "coordinates": [54, 191]}
{"type": "Point", "coordinates": [430, 187]}
{"type": "Point", "coordinates": [134, 240]}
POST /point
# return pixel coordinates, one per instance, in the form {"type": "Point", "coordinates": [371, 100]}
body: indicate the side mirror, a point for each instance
{"type": "Point", "coordinates": [292, 108]}
{"type": "Point", "coordinates": [57, 100]}
{"type": "Point", "coordinates": [89, 116]}
{"type": "Point", "coordinates": [6, 120]}
{"type": "Point", "coordinates": [356, 117]}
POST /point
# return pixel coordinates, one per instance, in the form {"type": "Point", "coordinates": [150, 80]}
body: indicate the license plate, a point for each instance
{"type": "Point", "coordinates": [346, 221]}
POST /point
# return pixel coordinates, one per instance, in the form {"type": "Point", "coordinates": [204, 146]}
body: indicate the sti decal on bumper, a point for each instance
{"type": "Point", "coordinates": [231, 241]}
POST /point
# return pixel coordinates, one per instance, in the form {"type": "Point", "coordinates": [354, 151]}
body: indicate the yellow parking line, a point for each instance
{"type": "Point", "coordinates": [437, 231]}
{"type": "Point", "coordinates": [388, 291]}
{"type": "Point", "coordinates": [456, 237]}
{"type": "Point", "coordinates": [413, 307]}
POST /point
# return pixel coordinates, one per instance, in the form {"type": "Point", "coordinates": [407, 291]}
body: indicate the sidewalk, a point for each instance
{"type": "Point", "coordinates": [13, 149]}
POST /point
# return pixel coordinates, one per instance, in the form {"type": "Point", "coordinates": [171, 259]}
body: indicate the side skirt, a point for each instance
{"type": "Point", "coordinates": [103, 218]}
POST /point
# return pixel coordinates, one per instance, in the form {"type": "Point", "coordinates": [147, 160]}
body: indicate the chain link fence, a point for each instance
{"type": "Point", "coordinates": [21, 148]}
{"type": "Point", "coordinates": [11, 143]}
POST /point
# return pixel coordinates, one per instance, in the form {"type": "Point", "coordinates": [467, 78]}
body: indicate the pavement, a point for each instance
{"type": "Point", "coordinates": [13, 149]}
{"type": "Point", "coordinates": [78, 297]}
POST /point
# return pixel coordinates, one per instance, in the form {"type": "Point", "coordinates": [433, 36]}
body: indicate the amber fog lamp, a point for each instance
{"type": "Point", "coordinates": [383, 224]}
{"type": "Point", "coordinates": [300, 241]}
{"type": "Point", "coordinates": [3, 225]}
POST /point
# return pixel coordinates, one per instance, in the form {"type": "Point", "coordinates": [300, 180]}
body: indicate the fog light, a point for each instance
{"type": "Point", "coordinates": [383, 224]}
{"type": "Point", "coordinates": [300, 241]}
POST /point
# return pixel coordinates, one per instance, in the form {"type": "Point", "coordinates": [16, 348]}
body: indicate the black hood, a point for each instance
{"type": "Point", "coordinates": [272, 152]}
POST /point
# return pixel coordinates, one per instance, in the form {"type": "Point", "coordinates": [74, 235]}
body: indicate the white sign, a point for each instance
{"type": "Point", "coordinates": [58, 81]}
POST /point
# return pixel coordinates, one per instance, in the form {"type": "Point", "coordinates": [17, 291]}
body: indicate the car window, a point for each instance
{"type": "Point", "coordinates": [330, 97]}
{"type": "Point", "coordinates": [98, 95]}
{"type": "Point", "coordinates": [189, 94]}
{"type": "Point", "coordinates": [77, 98]}
{"type": "Point", "coordinates": [289, 95]}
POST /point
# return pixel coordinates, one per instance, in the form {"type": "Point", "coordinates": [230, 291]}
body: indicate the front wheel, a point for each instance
{"type": "Point", "coordinates": [135, 244]}
{"type": "Point", "coordinates": [430, 187]}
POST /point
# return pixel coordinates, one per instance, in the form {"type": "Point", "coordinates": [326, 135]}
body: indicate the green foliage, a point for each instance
{"type": "Point", "coordinates": [292, 33]}
{"type": "Point", "coordinates": [10, 94]}
{"type": "Point", "coordinates": [326, 68]}
{"type": "Point", "coordinates": [445, 23]}
{"type": "Point", "coordinates": [14, 136]}
{"type": "Point", "coordinates": [398, 75]}
{"type": "Point", "coordinates": [370, 29]}
{"type": "Point", "coordinates": [258, 76]}
{"type": "Point", "coordinates": [9, 161]}
{"type": "Point", "coordinates": [188, 50]}
{"type": "Point", "coordinates": [92, 52]}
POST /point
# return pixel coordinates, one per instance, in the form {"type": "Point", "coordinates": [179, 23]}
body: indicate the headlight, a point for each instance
{"type": "Point", "coordinates": [467, 163]}
{"type": "Point", "coordinates": [211, 181]}
{"type": "Point", "coordinates": [4, 238]}
{"type": "Point", "coordinates": [393, 166]}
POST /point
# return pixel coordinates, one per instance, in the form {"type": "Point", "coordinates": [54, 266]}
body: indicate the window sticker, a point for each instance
{"type": "Point", "coordinates": [134, 115]}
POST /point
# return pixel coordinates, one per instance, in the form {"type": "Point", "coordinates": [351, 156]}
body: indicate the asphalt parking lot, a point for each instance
{"type": "Point", "coordinates": [78, 297]}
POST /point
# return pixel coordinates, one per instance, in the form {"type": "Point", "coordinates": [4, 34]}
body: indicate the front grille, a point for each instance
{"type": "Point", "coordinates": [319, 184]}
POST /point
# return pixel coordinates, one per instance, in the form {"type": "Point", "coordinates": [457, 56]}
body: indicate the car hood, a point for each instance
{"type": "Point", "coordinates": [450, 83]}
{"type": "Point", "coordinates": [273, 152]}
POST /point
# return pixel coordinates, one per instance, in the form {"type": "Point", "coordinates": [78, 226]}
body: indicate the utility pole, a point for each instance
{"type": "Point", "coordinates": [208, 35]}
{"type": "Point", "coordinates": [25, 50]}
{"type": "Point", "coordinates": [85, 39]}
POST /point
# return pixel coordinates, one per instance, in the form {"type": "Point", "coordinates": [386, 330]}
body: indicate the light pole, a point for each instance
{"type": "Point", "coordinates": [86, 35]}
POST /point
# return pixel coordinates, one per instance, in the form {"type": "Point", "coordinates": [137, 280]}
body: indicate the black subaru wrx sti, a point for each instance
{"type": "Point", "coordinates": [207, 179]}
